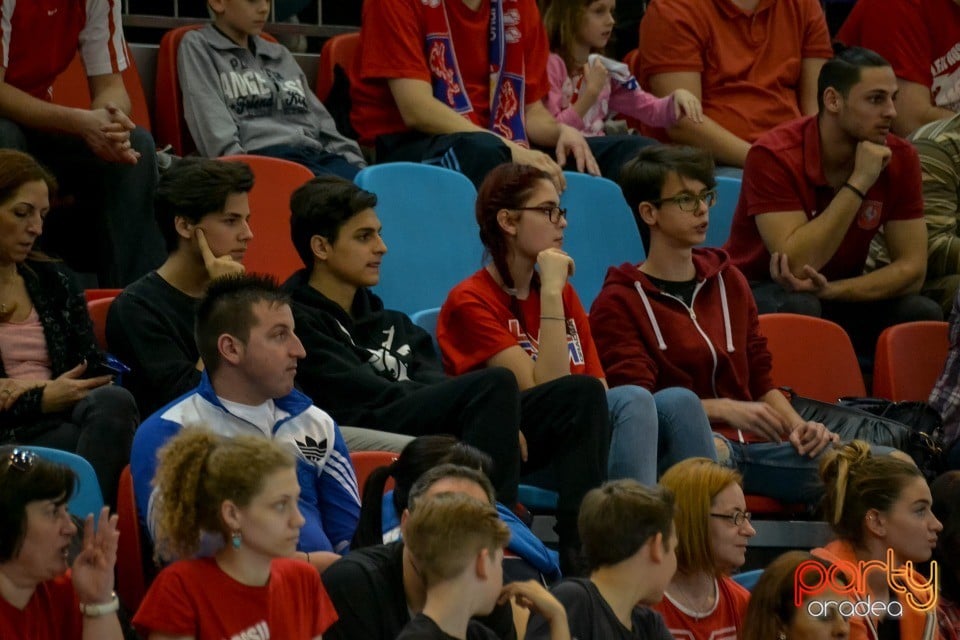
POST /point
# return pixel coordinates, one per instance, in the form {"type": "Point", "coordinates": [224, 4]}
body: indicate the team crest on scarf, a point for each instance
{"type": "Point", "coordinates": [446, 77]}
{"type": "Point", "coordinates": [506, 64]}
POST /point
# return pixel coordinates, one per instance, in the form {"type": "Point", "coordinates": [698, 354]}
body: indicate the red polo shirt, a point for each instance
{"type": "Point", "coordinates": [38, 39]}
{"type": "Point", "coordinates": [749, 61]}
{"type": "Point", "coordinates": [783, 173]}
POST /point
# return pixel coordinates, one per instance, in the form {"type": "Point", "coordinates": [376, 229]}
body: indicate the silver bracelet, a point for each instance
{"type": "Point", "coordinates": [101, 609]}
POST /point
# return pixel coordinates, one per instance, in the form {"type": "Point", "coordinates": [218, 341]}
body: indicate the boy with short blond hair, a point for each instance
{"type": "Point", "coordinates": [456, 543]}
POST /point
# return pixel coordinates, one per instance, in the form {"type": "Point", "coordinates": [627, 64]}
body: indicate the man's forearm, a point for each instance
{"type": "Point", "coordinates": [907, 122]}
{"type": "Point", "coordinates": [34, 113]}
{"type": "Point", "coordinates": [542, 128]}
{"type": "Point", "coordinates": [816, 241]}
{"type": "Point", "coordinates": [894, 280]}
{"type": "Point", "coordinates": [115, 95]}
{"type": "Point", "coordinates": [726, 148]}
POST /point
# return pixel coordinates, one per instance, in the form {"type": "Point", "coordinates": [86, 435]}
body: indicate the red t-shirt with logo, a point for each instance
{"type": "Point", "coordinates": [720, 623]}
{"type": "Point", "coordinates": [196, 598]}
{"type": "Point", "coordinates": [476, 323]}
{"type": "Point", "coordinates": [919, 38]}
{"type": "Point", "coordinates": [783, 173]}
{"type": "Point", "coordinates": [393, 42]}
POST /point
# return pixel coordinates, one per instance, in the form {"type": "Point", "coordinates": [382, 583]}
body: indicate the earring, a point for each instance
{"type": "Point", "coordinates": [236, 539]}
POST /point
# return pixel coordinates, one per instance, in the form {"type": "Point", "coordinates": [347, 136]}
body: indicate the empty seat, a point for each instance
{"type": "Point", "coordinates": [271, 250]}
{"type": "Point", "coordinates": [812, 356]}
{"type": "Point", "coordinates": [430, 231]}
{"type": "Point", "coordinates": [909, 359]}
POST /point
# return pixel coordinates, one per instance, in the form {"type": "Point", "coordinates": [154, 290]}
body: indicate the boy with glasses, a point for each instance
{"type": "Point", "coordinates": [686, 318]}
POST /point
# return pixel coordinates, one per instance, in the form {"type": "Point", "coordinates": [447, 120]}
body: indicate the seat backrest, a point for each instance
{"type": "Point", "coordinates": [171, 126]}
{"type": "Point", "coordinates": [95, 294]}
{"type": "Point", "coordinates": [364, 462]}
{"type": "Point", "coordinates": [271, 250]}
{"type": "Point", "coordinates": [601, 232]}
{"type": "Point", "coordinates": [430, 230]}
{"type": "Point", "coordinates": [721, 215]}
{"type": "Point", "coordinates": [426, 319]}
{"type": "Point", "coordinates": [337, 51]}
{"type": "Point", "coordinates": [86, 498]}
{"type": "Point", "coordinates": [98, 310]}
{"type": "Point", "coordinates": [131, 577]}
{"type": "Point", "coordinates": [70, 89]}
{"type": "Point", "coordinates": [812, 356]}
{"type": "Point", "coordinates": [909, 359]}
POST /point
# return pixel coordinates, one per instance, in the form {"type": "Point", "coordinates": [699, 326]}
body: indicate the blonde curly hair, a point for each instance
{"type": "Point", "coordinates": [197, 471]}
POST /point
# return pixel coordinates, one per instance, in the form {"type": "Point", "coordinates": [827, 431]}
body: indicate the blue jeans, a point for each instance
{"type": "Point", "coordinates": [776, 470]}
{"type": "Point", "coordinates": [651, 432]}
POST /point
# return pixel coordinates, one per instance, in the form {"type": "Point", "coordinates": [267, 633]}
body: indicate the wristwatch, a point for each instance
{"type": "Point", "coordinates": [96, 610]}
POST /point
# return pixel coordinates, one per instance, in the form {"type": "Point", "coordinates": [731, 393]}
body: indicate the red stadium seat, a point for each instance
{"type": "Point", "coordinates": [909, 359]}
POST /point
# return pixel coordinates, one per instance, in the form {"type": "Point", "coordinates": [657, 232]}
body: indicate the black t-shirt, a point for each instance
{"type": "Point", "coordinates": [150, 329]}
{"type": "Point", "coordinates": [591, 618]}
{"type": "Point", "coordinates": [366, 587]}
{"type": "Point", "coordinates": [683, 290]}
{"type": "Point", "coordinates": [424, 628]}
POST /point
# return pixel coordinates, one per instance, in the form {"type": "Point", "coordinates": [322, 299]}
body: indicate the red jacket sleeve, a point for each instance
{"type": "Point", "coordinates": [618, 337]}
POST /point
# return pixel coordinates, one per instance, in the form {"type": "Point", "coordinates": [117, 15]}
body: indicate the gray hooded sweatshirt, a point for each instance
{"type": "Point", "coordinates": [238, 100]}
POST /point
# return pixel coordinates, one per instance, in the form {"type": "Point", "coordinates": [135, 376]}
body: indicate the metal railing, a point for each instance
{"type": "Point", "coordinates": [175, 18]}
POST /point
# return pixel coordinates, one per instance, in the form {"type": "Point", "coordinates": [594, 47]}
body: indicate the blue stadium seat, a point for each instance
{"type": "Point", "coordinates": [430, 230]}
{"type": "Point", "coordinates": [721, 216]}
{"type": "Point", "coordinates": [601, 231]}
{"type": "Point", "coordinates": [426, 319]}
{"type": "Point", "coordinates": [748, 579]}
{"type": "Point", "coordinates": [86, 498]}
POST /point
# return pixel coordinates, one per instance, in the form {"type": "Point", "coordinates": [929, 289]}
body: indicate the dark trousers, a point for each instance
{"type": "Point", "coordinates": [99, 428]}
{"type": "Point", "coordinates": [567, 426]}
{"type": "Point", "coordinates": [110, 228]}
{"type": "Point", "coordinates": [475, 154]}
{"type": "Point", "coordinates": [863, 321]}
{"type": "Point", "coordinates": [481, 408]}
{"type": "Point", "coordinates": [320, 162]}
{"type": "Point", "coordinates": [564, 422]}
{"type": "Point", "coordinates": [612, 152]}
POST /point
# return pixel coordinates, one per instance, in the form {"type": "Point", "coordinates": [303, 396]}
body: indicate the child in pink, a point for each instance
{"type": "Point", "coordinates": [585, 87]}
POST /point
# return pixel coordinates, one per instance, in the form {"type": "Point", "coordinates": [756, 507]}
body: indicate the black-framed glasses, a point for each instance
{"type": "Point", "coordinates": [553, 212]}
{"type": "Point", "coordinates": [737, 517]}
{"type": "Point", "coordinates": [22, 459]}
{"type": "Point", "coordinates": [690, 202]}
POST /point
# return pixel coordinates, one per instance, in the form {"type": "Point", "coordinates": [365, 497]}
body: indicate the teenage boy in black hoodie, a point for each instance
{"type": "Point", "coordinates": [374, 368]}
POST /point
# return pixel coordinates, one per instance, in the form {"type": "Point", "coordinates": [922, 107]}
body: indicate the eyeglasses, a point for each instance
{"type": "Point", "coordinates": [737, 517]}
{"type": "Point", "coordinates": [22, 459]}
{"type": "Point", "coordinates": [690, 202]}
{"type": "Point", "coordinates": [551, 211]}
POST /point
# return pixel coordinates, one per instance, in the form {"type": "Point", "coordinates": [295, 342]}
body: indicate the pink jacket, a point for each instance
{"type": "Point", "coordinates": [636, 103]}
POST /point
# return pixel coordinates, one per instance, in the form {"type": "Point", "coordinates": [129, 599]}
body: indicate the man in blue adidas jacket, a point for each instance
{"type": "Point", "coordinates": [245, 335]}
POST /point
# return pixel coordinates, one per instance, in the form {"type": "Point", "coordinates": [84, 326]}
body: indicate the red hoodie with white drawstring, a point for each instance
{"type": "Point", "coordinates": [653, 339]}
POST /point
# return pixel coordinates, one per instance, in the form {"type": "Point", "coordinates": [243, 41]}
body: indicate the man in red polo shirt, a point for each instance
{"type": "Point", "coordinates": [815, 192]}
{"type": "Point", "coordinates": [753, 63]}
{"type": "Point", "coordinates": [96, 153]}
